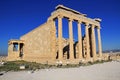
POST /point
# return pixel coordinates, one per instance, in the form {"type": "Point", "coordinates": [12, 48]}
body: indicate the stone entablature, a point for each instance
{"type": "Point", "coordinates": [68, 13]}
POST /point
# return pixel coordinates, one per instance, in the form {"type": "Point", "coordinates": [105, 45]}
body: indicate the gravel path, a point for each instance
{"type": "Point", "coordinates": [105, 71]}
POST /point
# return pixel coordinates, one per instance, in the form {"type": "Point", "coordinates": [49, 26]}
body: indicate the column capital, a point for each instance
{"type": "Point", "coordinates": [98, 27]}
{"type": "Point", "coordinates": [60, 16]}
{"type": "Point", "coordinates": [49, 20]}
{"type": "Point", "coordinates": [79, 21]}
{"type": "Point", "coordinates": [86, 24]}
{"type": "Point", "coordinates": [70, 19]}
{"type": "Point", "coordinates": [92, 25]}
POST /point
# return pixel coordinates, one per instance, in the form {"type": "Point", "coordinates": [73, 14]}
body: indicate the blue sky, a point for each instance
{"type": "Point", "coordinates": [18, 17]}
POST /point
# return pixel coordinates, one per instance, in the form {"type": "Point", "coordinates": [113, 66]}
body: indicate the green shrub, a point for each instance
{"type": "Point", "coordinates": [15, 65]}
{"type": "Point", "coordinates": [9, 66]}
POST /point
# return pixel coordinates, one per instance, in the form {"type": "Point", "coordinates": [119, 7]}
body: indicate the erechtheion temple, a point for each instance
{"type": "Point", "coordinates": [44, 46]}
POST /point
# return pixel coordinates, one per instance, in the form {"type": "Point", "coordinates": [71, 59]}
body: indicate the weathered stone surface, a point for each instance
{"type": "Point", "coordinates": [38, 44]}
{"type": "Point", "coordinates": [42, 45]}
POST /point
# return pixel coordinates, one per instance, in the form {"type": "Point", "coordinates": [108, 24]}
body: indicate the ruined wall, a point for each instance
{"type": "Point", "coordinates": [39, 44]}
{"type": "Point", "coordinates": [12, 55]}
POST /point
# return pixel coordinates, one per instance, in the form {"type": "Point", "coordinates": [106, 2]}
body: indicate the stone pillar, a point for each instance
{"type": "Point", "coordinates": [87, 41]}
{"type": "Point", "coordinates": [93, 42]}
{"type": "Point", "coordinates": [99, 43]}
{"type": "Point", "coordinates": [53, 38]}
{"type": "Point", "coordinates": [71, 51]}
{"type": "Point", "coordinates": [60, 49]}
{"type": "Point", "coordinates": [10, 48]}
{"type": "Point", "coordinates": [18, 47]}
{"type": "Point", "coordinates": [79, 41]}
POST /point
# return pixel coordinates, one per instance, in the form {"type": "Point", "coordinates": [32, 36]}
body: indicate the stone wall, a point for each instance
{"type": "Point", "coordinates": [12, 55]}
{"type": "Point", "coordinates": [38, 44]}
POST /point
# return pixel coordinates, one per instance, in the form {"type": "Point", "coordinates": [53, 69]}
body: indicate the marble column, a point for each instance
{"type": "Point", "coordinates": [99, 43]}
{"type": "Point", "coordinates": [60, 49]}
{"type": "Point", "coordinates": [87, 41]}
{"type": "Point", "coordinates": [18, 48]}
{"type": "Point", "coordinates": [11, 47]}
{"type": "Point", "coordinates": [71, 51]}
{"type": "Point", "coordinates": [93, 42]}
{"type": "Point", "coordinates": [79, 41]}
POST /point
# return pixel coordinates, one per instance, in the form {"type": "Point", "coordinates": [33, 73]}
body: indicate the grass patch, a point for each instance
{"type": "Point", "coordinates": [97, 62]}
{"type": "Point", "coordinates": [15, 65]}
{"type": "Point", "coordinates": [70, 66]}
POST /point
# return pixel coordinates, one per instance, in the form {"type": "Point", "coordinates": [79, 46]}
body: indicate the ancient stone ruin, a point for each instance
{"type": "Point", "coordinates": [43, 46]}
